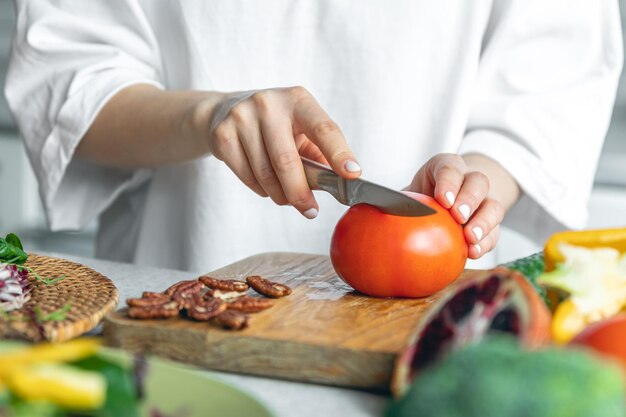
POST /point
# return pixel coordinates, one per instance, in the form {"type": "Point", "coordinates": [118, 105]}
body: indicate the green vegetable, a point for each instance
{"type": "Point", "coordinates": [497, 378]}
{"type": "Point", "coordinates": [56, 315]}
{"type": "Point", "coordinates": [531, 267]}
{"type": "Point", "coordinates": [34, 409]}
{"type": "Point", "coordinates": [12, 251]}
{"type": "Point", "coordinates": [12, 239]}
{"type": "Point", "coordinates": [45, 280]}
{"type": "Point", "coordinates": [11, 406]}
{"type": "Point", "coordinates": [121, 396]}
{"type": "Point", "coordinates": [5, 398]}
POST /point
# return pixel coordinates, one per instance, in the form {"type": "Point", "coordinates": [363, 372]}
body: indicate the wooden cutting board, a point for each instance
{"type": "Point", "coordinates": [324, 332]}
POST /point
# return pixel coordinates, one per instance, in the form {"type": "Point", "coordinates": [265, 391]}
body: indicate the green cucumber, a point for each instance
{"type": "Point", "coordinates": [531, 267]}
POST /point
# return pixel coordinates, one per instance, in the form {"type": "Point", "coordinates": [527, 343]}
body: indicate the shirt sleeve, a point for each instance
{"type": "Point", "coordinates": [546, 85]}
{"type": "Point", "coordinates": [68, 59]}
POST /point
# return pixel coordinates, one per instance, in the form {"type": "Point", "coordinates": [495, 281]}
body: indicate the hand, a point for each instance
{"type": "Point", "coordinates": [466, 194]}
{"type": "Point", "coordinates": [260, 135]}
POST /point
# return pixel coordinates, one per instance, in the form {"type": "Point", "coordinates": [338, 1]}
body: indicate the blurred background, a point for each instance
{"type": "Point", "coordinates": [21, 212]}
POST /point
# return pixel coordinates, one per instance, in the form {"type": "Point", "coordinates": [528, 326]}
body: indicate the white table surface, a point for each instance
{"type": "Point", "coordinates": [284, 398]}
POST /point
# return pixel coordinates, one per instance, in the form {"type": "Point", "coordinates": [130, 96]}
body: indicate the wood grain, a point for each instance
{"type": "Point", "coordinates": [324, 332]}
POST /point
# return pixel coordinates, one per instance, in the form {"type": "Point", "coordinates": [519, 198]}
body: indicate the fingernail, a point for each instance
{"type": "Point", "coordinates": [478, 249]}
{"type": "Point", "coordinates": [450, 197]}
{"type": "Point", "coordinates": [352, 166]}
{"type": "Point", "coordinates": [464, 210]}
{"type": "Point", "coordinates": [310, 213]}
{"type": "Point", "coordinates": [478, 232]}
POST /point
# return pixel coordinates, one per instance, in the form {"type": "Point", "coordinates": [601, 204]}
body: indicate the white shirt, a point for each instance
{"type": "Point", "coordinates": [530, 83]}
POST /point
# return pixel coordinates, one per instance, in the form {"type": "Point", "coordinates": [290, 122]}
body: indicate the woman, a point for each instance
{"type": "Point", "coordinates": [160, 117]}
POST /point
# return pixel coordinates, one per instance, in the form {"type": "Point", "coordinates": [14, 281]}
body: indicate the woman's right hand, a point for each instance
{"type": "Point", "coordinates": [261, 135]}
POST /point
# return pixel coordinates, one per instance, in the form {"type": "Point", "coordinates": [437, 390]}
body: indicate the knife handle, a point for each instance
{"type": "Point", "coordinates": [313, 170]}
{"type": "Point", "coordinates": [322, 177]}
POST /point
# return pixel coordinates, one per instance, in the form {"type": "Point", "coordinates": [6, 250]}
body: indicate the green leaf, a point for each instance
{"type": "Point", "coordinates": [12, 239]}
{"type": "Point", "coordinates": [11, 250]}
{"type": "Point", "coordinates": [45, 280]}
{"type": "Point", "coordinates": [5, 399]}
{"type": "Point", "coordinates": [121, 400]}
{"type": "Point", "coordinates": [12, 406]}
{"type": "Point", "coordinates": [22, 408]}
{"type": "Point", "coordinates": [56, 315]}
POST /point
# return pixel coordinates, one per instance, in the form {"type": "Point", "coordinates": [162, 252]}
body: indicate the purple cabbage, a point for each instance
{"type": "Point", "coordinates": [14, 287]}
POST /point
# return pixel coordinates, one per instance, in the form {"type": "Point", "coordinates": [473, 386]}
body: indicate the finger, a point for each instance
{"type": "Point", "coordinates": [312, 120]}
{"type": "Point", "coordinates": [489, 215]}
{"type": "Point", "coordinates": [227, 148]}
{"type": "Point", "coordinates": [249, 132]}
{"type": "Point", "coordinates": [309, 150]}
{"type": "Point", "coordinates": [447, 173]}
{"type": "Point", "coordinates": [471, 195]}
{"type": "Point", "coordinates": [281, 148]}
{"type": "Point", "coordinates": [486, 245]}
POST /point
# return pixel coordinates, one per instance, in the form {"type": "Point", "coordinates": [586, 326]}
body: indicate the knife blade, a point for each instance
{"type": "Point", "coordinates": [355, 191]}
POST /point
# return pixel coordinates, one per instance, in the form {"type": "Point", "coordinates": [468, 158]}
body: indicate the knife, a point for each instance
{"type": "Point", "coordinates": [351, 192]}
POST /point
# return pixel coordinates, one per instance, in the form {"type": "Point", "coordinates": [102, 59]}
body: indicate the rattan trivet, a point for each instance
{"type": "Point", "coordinates": [90, 295]}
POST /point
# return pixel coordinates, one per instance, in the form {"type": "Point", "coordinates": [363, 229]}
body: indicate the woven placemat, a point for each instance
{"type": "Point", "coordinates": [86, 294]}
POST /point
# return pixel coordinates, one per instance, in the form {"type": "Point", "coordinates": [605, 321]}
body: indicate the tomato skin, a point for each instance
{"type": "Point", "coordinates": [383, 255]}
{"type": "Point", "coordinates": [607, 337]}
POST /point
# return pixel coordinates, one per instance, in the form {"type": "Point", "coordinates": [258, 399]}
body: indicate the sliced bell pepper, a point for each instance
{"type": "Point", "coordinates": [599, 238]}
{"type": "Point", "coordinates": [567, 322]}
{"type": "Point", "coordinates": [590, 268]}
{"type": "Point", "coordinates": [60, 384]}
{"type": "Point", "coordinates": [48, 353]}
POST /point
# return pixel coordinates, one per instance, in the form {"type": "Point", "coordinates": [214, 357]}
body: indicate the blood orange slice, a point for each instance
{"type": "Point", "coordinates": [499, 300]}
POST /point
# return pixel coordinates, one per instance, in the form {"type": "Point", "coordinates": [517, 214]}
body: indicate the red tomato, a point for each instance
{"type": "Point", "coordinates": [607, 337]}
{"type": "Point", "coordinates": [383, 255]}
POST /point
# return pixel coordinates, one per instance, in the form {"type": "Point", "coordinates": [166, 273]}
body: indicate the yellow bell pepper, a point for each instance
{"type": "Point", "coordinates": [599, 238]}
{"type": "Point", "coordinates": [590, 267]}
{"type": "Point", "coordinates": [49, 353]}
{"type": "Point", "coordinates": [567, 322]}
{"type": "Point", "coordinates": [59, 384]}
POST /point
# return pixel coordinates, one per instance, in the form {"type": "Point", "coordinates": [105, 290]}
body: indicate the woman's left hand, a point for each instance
{"type": "Point", "coordinates": [466, 193]}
